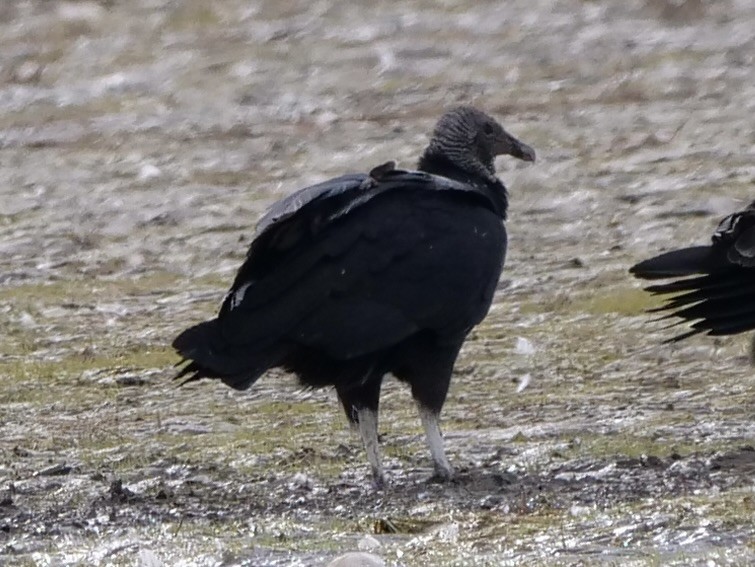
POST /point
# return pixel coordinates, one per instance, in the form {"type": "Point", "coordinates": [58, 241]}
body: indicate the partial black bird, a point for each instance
{"type": "Point", "coordinates": [369, 274]}
{"type": "Point", "coordinates": [713, 286]}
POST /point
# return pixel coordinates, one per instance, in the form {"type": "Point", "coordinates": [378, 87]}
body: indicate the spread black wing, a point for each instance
{"type": "Point", "coordinates": [713, 286]}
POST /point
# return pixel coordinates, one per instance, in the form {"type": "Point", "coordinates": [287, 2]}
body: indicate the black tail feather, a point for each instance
{"type": "Point", "coordinates": [724, 280]}
{"type": "Point", "coordinates": [677, 263]}
{"type": "Point", "coordinates": [730, 327]}
{"type": "Point", "coordinates": [710, 293]}
{"type": "Point", "coordinates": [706, 290]}
{"type": "Point", "coordinates": [210, 356]}
{"type": "Point", "coordinates": [717, 310]}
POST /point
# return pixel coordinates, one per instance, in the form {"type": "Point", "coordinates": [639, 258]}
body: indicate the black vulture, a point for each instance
{"type": "Point", "coordinates": [369, 274]}
{"type": "Point", "coordinates": [713, 286]}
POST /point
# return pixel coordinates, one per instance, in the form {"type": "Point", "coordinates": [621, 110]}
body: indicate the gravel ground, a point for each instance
{"type": "Point", "coordinates": [139, 143]}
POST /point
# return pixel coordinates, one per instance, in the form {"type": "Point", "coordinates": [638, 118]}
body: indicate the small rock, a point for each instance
{"type": "Point", "coordinates": [21, 452]}
{"type": "Point", "coordinates": [651, 461]}
{"type": "Point", "coordinates": [27, 72]}
{"type": "Point", "coordinates": [490, 502]}
{"type": "Point", "coordinates": [301, 480]}
{"type": "Point", "coordinates": [148, 172]}
{"type": "Point", "coordinates": [369, 543]}
{"type": "Point", "coordinates": [524, 381]}
{"type": "Point", "coordinates": [326, 118]}
{"type": "Point", "coordinates": [357, 559]}
{"type": "Point", "coordinates": [119, 493]}
{"type": "Point", "coordinates": [524, 346]}
{"type": "Point", "coordinates": [60, 469]}
{"type": "Point", "coordinates": [26, 320]}
{"type": "Point", "coordinates": [130, 380]}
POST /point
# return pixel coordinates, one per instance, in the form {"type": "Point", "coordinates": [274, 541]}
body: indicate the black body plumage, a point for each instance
{"type": "Point", "coordinates": [369, 274]}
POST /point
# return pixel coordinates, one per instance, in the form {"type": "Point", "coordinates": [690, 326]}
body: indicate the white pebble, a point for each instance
{"type": "Point", "coordinates": [524, 346]}
{"type": "Point", "coordinates": [524, 381]}
{"type": "Point", "coordinates": [149, 171]}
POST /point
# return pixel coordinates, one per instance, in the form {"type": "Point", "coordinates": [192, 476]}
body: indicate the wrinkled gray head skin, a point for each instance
{"type": "Point", "coordinates": [471, 140]}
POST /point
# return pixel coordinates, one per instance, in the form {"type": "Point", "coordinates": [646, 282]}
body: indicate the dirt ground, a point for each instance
{"type": "Point", "coordinates": [139, 143]}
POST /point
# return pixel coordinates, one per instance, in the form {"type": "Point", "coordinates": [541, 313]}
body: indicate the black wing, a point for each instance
{"type": "Point", "coordinates": [715, 285]}
{"type": "Point", "coordinates": [296, 220]}
{"type": "Point", "coordinates": [329, 272]}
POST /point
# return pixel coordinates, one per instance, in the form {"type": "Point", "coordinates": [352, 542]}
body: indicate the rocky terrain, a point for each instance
{"type": "Point", "coordinates": [139, 143]}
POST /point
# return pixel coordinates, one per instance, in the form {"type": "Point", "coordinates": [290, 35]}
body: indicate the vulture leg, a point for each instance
{"type": "Point", "coordinates": [368, 421]}
{"type": "Point", "coordinates": [428, 371]}
{"type": "Point", "coordinates": [431, 424]}
{"type": "Point", "coordinates": [361, 405]}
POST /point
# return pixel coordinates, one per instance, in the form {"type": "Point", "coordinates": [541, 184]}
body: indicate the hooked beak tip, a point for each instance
{"type": "Point", "coordinates": [523, 151]}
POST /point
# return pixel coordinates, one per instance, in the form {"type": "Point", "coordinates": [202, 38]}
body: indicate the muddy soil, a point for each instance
{"type": "Point", "coordinates": [139, 143]}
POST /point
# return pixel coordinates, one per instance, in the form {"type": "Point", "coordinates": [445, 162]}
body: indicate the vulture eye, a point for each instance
{"type": "Point", "coordinates": [488, 128]}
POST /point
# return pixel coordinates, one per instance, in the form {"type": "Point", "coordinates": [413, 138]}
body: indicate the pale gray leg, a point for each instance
{"type": "Point", "coordinates": [368, 430]}
{"type": "Point", "coordinates": [430, 421]}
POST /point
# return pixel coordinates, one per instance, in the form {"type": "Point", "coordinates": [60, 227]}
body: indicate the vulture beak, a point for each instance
{"type": "Point", "coordinates": [513, 147]}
